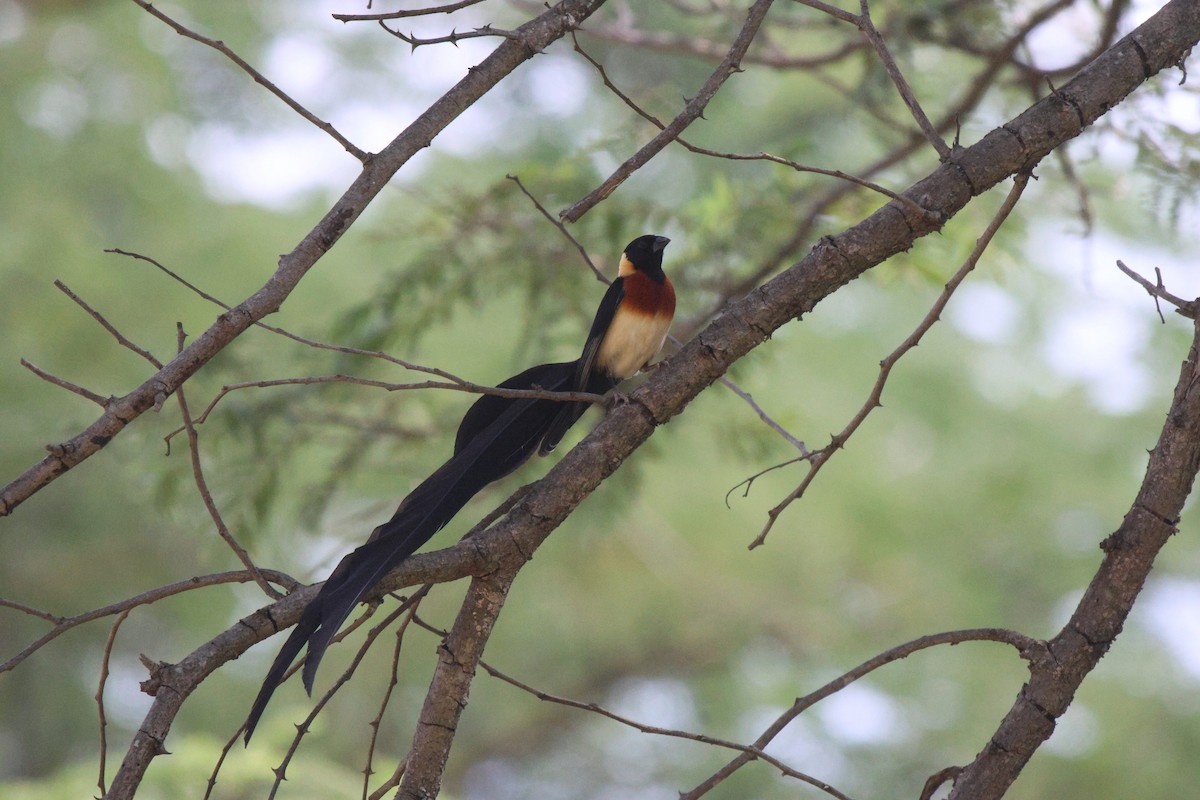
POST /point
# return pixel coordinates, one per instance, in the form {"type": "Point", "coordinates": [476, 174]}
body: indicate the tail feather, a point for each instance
{"type": "Point", "coordinates": [287, 654]}
{"type": "Point", "coordinates": [495, 437]}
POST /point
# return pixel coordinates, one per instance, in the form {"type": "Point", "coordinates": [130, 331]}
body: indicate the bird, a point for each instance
{"type": "Point", "coordinates": [496, 436]}
{"type": "Point", "coordinates": [629, 329]}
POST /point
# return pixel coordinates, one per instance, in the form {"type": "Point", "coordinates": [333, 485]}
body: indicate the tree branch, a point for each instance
{"type": "Point", "coordinates": [692, 111]}
{"type": "Point", "coordinates": [1027, 648]}
{"type": "Point", "coordinates": [495, 555]}
{"type": "Point", "coordinates": [533, 38]}
{"type": "Point", "coordinates": [875, 398]}
{"type": "Point", "coordinates": [458, 658]}
{"type": "Point", "coordinates": [258, 77]}
{"type": "Point", "coordinates": [1129, 555]}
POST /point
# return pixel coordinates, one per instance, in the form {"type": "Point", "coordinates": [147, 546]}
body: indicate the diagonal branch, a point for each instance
{"type": "Point", "coordinates": [691, 112]}
{"type": "Point", "coordinates": [1028, 648]}
{"type": "Point", "coordinates": [750, 751]}
{"type": "Point", "coordinates": [258, 77]}
{"type": "Point", "coordinates": [1129, 555]}
{"type": "Point", "coordinates": [206, 496]}
{"type": "Point", "coordinates": [864, 23]}
{"type": "Point", "coordinates": [1015, 147]}
{"type": "Point", "coordinates": [874, 400]}
{"type": "Point", "coordinates": [534, 37]}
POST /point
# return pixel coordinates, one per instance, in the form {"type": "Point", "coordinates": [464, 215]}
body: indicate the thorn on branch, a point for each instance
{"type": "Point", "coordinates": [156, 669]}
{"type": "Point", "coordinates": [1185, 308]}
{"type": "Point", "coordinates": [453, 37]}
{"type": "Point", "coordinates": [938, 779]}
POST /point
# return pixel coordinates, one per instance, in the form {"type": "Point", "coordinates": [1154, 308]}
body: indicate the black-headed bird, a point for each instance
{"type": "Point", "coordinates": [496, 436]}
{"type": "Point", "coordinates": [629, 329]}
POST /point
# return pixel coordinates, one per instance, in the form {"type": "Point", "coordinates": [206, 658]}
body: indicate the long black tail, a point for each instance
{"type": "Point", "coordinates": [496, 436]}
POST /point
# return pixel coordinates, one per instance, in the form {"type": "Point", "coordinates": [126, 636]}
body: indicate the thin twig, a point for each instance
{"type": "Point", "coordinates": [303, 727]}
{"type": "Point", "coordinates": [454, 37]}
{"type": "Point", "coordinates": [600, 276]}
{"type": "Point", "coordinates": [772, 424]}
{"type": "Point", "coordinates": [831, 10]}
{"type": "Point", "coordinates": [1186, 308]}
{"type": "Point", "coordinates": [108, 647]}
{"type": "Point", "coordinates": [337, 348]}
{"type": "Point", "coordinates": [751, 752]}
{"type": "Point", "coordinates": [453, 381]}
{"type": "Point", "coordinates": [31, 611]}
{"type": "Point", "coordinates": [771, 57]}
{"type": "Point", "coordinates": [473, 388]}
{"type": "Point", "coordinates": [1028, 648]}
{"type": "Point", "coordinates": [787, 162]}
{"type": "Point", "coordinates": [206, 495]}
{"type": "Point", "coordinates": [391, 783]}
{"type": "Point", "coordinates": [296, 667]}
{"type": "Point", "coordinates": [864, 23]}
{"type": "Point", "coordinates": [108, 326]}
{"type": "Point", "coordinates": [63, 383]}
{"type": "Point", "coordinates": [693, 110]}
{"type": "Point", "coordinates": [64, 624]}
{"type": "Point", "coordinates": [393, 682]}
{"type": "Point", "coordinates": [258, 77]}
{"type": "Point", "coordinates": [885, 366]}
{"type": "Point", "coordinates": [415, 12]}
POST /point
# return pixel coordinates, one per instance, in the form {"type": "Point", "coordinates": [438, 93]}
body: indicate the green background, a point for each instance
{"type": "Point", "coordinates": [1010, 442]}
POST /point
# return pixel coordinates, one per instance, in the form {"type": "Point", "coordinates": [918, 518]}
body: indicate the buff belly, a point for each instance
{"type": "Point", "coordinates": [631, 341]}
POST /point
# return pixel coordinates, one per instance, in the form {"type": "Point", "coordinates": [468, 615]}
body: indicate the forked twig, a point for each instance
{"type": "Point", "coordinates": [1186, 308]}
{"type": "Point", "coordinates": [838, 441]}
{"type": "Point", "coordinates": [1028, 648]}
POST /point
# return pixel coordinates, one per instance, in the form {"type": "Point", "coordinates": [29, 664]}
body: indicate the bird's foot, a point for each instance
{"type": "Point", "coordinates": [615, 400]}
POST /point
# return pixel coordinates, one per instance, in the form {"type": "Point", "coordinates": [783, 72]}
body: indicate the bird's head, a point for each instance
{"type": "Point", "coordinates": [644, 254]}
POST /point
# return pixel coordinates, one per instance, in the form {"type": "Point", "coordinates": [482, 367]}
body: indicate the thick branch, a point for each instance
{"type": "Point", "coordinates": [1101, 613]}
{"type": "Point", "coordinates": [458, 659]}
{"type": "Point", "coordinates": [1160, 42]}
{"type": "Point", "coordinates": [1012, 148]}
{"type": "Point", "coordinates": [749, 321]}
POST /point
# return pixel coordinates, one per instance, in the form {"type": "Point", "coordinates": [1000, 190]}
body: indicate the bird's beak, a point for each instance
{"type": "Point", "coordinates": [660, 242]}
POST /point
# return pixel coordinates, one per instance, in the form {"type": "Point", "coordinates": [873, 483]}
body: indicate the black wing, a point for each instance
{"type": "Point", "coordinates": [570, 413]}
